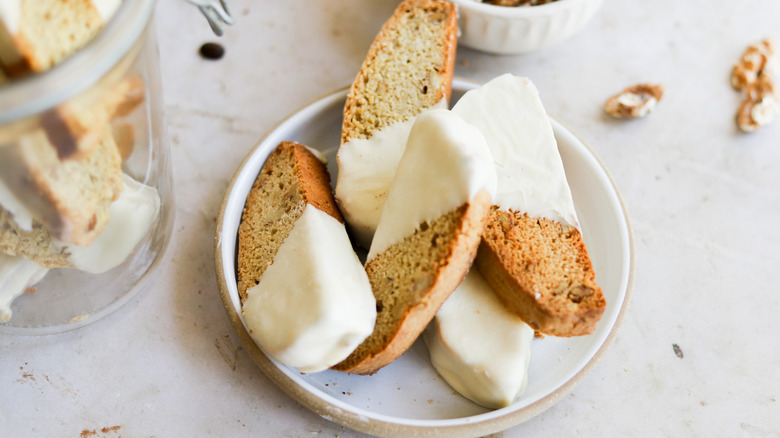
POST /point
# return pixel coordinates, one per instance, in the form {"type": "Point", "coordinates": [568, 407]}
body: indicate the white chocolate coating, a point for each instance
{"type": "Point", "coordinates": [478, 347]}
{"type": "Point", "coordinates": [132, 215]}
{"type": "Point", "coordinates": [10, 14]}
{"type": "Point", "coordinates": [106, 8]}
{"type": "Point", "coordinates": [445, 164]}
{"type": "Point", "coordinates": [16, 275]}
{"type": "Point", "coordinates": [366, 170]}
{"type": "Point", "coordinates": [531, 178]}
{"type": "Point", "coordinates": [313, 305]}
{"type": "Point", "coordinates": [9, 201]}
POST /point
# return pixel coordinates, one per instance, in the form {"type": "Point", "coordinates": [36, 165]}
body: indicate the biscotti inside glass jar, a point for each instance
{"type": "Point", "coordinates": [85, 172]}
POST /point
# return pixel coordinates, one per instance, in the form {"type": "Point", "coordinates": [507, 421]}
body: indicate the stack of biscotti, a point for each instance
{"type": "Point", "coordinates": [61, 175]}
{"type": "Point", "coordinates": [35, 35]}
{"type": "Point", "coordinates": [305, 296]}
{"type": "Point", "coordinates": [408, 70]}
{"type": "Point", "coordinates": [61, 171]}
{"type": "Point", "coordinates": [532, 252]}
{"type": "Point", "coordinates": [66, 173]}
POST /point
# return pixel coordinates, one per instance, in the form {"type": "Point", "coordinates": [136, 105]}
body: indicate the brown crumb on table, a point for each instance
{"type": "Point", "coordinates": [677, 350]}
{"type": "Point", "coordinates": [635, 101]}
{"type": "Point", "coordinates": [100, 432]}
{"type": "Point", "coordinates": [755, 74]}
{"type": "Point", "coordinates": [31, 290]}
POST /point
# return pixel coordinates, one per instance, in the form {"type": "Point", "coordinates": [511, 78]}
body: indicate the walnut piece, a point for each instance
{"type": "Point", "coordinates": [635, 101]}
{"type": "Point", "coordinates": [753, 114]}
{"type": "Point", "coordinates": [756, 74]}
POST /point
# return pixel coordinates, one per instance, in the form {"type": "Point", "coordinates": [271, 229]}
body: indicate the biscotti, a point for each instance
{"type": "Point", "coordinates": [75, 126]}
{"type": "Point", "coordinates": [407, 70]}
{"type": "Point", "coordinates": [70, 197]}
{"type": "Point", "coordinates": [291, 178]}
{"type": "Point", "coordinates": [532, 252]}
{"type": "Point", "coordinates": [306, 298]}
{"type": "Point", "coordinates": [428, 235]}
{"type": "Point", "coordinates": [35, 244]}
{"type": "Point", "coordinates": [542, 271]}
{"type": "Point", "coordinates": [35, 35]}
{"type": "Point", "coordinates": [130, 217]}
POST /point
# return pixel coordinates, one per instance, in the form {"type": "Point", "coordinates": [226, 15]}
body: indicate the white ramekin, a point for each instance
{"type": "Point", "coordinates": [506, 30]}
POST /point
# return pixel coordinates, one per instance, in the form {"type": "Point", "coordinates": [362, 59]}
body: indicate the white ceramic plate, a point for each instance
{"type": "Point", "coordinates": [408, 397]}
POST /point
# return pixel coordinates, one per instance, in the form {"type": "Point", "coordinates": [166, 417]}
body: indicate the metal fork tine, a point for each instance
{"type": "Point", "coordinates": [211, 17]}
{"type": "Point", "coordinates": [224, 12]}
{"type": "Point", "coordinates": [216, 12]}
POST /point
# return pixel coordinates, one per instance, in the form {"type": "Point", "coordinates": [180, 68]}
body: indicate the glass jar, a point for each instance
{"type": "Point", "coordinates": [85, 180]}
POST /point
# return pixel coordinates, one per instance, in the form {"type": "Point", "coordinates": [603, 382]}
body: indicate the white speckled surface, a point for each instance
{"type": "Point", "coordinates": [703, 200]}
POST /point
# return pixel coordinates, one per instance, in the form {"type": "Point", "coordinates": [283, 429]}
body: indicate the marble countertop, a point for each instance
{"type": "Point", "coordinates": [702, 197]}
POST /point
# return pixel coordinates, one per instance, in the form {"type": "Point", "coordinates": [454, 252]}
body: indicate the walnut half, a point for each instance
{"type": "Point", "coordinates": [635, 101]}
{"type": "Point", "coordinates": [756, 74]}
{"type": "Point", "coordinates": [753, 114]}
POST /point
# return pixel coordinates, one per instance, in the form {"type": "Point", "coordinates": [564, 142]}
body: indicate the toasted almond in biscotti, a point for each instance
{"type": "Point", "coordinates": [408, 70]}
{"type": "Point", "coordinates": [291, 178]}
{"type": "Point", "coordinates": [541, 271]}
{"type": "Point", "coordinates": [429, 233]}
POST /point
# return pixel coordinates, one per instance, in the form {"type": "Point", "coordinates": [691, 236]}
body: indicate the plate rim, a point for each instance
{"type": "Point", "coordinates": [387, 427]}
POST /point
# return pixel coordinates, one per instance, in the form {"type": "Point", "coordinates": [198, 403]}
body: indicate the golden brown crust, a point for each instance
{"type": "Point", "coordinates": [409, 289]}
{"type": "Point", "coordinates": [542, 272]}
{"type": "Point", "coordinates": [411, 63]}
{"type": "Point", "coordinates": [291, 178]}
{"type": "Point", "coordinates": [315, 181]}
